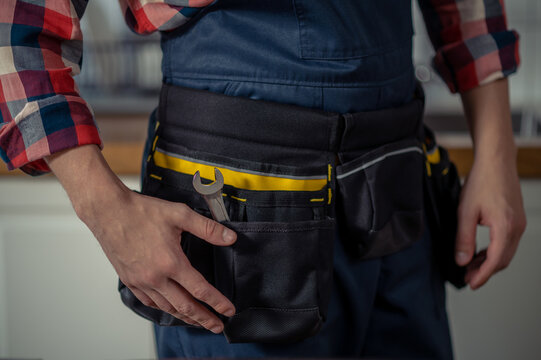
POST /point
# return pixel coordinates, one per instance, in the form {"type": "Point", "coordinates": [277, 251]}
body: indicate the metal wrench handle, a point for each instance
{"type": "Point", "coordinates": [212, 194]}
{"type": "Point", "coordinates": [217, 207]}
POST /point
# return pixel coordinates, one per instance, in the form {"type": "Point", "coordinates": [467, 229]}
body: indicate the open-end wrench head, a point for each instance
{"type": "Point", "coordinates": [210, 189]}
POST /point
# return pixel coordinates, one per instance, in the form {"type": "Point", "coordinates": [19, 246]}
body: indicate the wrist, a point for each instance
{"type": "Point", "coordinates": [496, 150]}
{"type": "Point", "coordinates": [99, 198]}
{"type": "Point", "coordinates": [88, 180]}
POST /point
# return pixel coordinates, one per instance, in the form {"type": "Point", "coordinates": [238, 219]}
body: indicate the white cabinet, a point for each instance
{"type": "Point", "coordinates": [58, 298]}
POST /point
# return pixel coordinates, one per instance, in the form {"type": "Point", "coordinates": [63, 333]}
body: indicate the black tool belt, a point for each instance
{"type": "Point", "coordinates": [293, 177]}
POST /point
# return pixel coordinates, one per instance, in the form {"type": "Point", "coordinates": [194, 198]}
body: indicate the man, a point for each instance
{"type": "Point", "coordinates": [341, 57]}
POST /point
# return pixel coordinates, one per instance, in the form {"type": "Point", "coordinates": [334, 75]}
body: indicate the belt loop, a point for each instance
{"type": "Point", "coordinates": [337, 134]}
{"type": "Point", "coordinates": [420, 97]}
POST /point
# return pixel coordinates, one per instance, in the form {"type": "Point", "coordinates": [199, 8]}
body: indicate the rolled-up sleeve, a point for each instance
{"type": "Point", "coordinates": [41, 111]}
{"type": "Point", "coordinates": [472, 42]}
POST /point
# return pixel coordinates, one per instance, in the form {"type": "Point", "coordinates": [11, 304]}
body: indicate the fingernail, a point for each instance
{"type": "Point", "coordinates": [461, 258]}
{"type": "Point", "coordinates": [217, 329]}
{"type": "Point", "coordinates": [229, 312]}
{"type": "Point", "coordinates": [228, 235]}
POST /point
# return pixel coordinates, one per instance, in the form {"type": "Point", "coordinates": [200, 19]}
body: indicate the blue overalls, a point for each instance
{"type": "Point", "coordinates": [340, 56]}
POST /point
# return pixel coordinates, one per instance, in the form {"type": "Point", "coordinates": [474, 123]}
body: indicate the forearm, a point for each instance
{"type": "Point", "coordinates": [86, 177]}
{"type": "Point", "coordinates": [491, 194]}
{"type": "Point", "coordinates": [488, 113]}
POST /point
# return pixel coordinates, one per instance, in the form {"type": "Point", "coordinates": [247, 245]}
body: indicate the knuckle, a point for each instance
{"type": "Point", "coordinates": [183, 210]}
{"type": "Point", "coordinates": [221, 307]}
{"type": "Point", "coordinates": [184, 266]}
{"type": "Point", "coordinates": [151, 279]}
{"type": "Point", "coordinates": [129, 282]}
{"type": "Point", "coordinates": [168, 267]}
{"type": "Point", "coordinates": [508, 224]}
{"type": "Point", "coordinates": [169, 309]}
{"type": "Point", "coordinates": [147, 302]}
{"type": "Point", "coordinates": [207, 323]}
{"type": "Point", "coordinates": [202, 293]}
{"type": "Point", "coordinates": [210, 227]}
{"type": "Point", "coordinates": [186, 309]}
{"type": "Point", "coordinates": [136, 283]}
{"type": "Point", "coordinates": [521, 224]}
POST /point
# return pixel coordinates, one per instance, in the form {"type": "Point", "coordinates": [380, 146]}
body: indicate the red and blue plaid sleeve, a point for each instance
{"type": "Point", "coordinates": [145, 17]}
{"type": "Point", "coordinates": [473, 45]}
{"type": "Point", "coordinates": [41, 111]}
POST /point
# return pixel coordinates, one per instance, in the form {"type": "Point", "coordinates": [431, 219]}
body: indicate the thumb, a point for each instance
{"type": "Point", "coordinates": [465, 237]}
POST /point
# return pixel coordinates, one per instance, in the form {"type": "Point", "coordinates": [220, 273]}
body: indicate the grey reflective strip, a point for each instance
{"type": "Point", "coordinates": [383, 157]}
{"type": "Point", "coordinates": [187, 158]}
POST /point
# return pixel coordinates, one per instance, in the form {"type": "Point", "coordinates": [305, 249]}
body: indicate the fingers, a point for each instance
{"type": "Point", "coordinates": [498, 254]}
{"type": "Point", "coordinates": [176, 301]}
{"type": "Point", "coordinates": [156, 301]}
{"type": "Point", "coordinates": [186, 306]}
{"type": "Point", "coordinates": [175, 287]}
{"type": "Point", "coordinates": [191, 280]}
{"type": "Point", "coordinates": [205, 228]}
{"type": "Point", "coordinates": [474, 266]}
{"type": "Point", "coordinates": [466, 233]}
{"type": "Point", "coordinates": [505, 233]}
{"type": "Point", "coordinates": [143, 298]}
{"type": "Point", "coordinates": [166, 306]}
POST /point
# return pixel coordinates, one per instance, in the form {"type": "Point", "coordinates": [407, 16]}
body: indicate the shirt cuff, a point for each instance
{"type": "Point", "coordinates": [44, 127]}
{"type": "Point", "coordinates": [478, 60]}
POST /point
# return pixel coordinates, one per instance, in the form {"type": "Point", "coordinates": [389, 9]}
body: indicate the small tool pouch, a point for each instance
{"type": "Point", "coordinates": [380, 199]}
{"type": "Point", "coordinates": [442, 192]}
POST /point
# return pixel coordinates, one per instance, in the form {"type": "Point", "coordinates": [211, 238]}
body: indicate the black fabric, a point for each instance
{"type": "Point", "coordinates": [279, 272]}
{"type": "Point", "coordinates": [442, 193]}
{"type": "Point", "coordinates": [190, 112]}
{"type": "Point", "coordinates": [381, 199]}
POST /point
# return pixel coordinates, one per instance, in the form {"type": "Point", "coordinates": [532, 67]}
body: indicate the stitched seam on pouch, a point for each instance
{"type": "Point", "coordinates": [240, 169]}
{"type": "Point", "coordinates": [379, 159]}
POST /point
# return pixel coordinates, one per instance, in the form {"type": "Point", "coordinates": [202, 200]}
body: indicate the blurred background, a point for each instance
{"type": "Point", "coordinates": [58, 297]}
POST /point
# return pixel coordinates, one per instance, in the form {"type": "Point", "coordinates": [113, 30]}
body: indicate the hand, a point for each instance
{"type": "Point", "coordinates": [491, 194]}
{"type": "Point", "coordinates": [491, 197]}
{"type": "Point", "coordinates": [141, 237]}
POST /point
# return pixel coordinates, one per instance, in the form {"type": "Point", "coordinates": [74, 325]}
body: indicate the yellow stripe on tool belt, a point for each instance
{"type": "Point", "coordinates": [238, 178]}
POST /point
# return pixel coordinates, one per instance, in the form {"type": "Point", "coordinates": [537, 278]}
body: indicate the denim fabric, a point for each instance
{"type": "Point", "coordinates": [310, 53]}
{"type": "Point", "coordinates": [342, 56]}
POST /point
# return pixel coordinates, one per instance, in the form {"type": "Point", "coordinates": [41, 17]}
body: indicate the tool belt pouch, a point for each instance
{"type": "Point", "coordinates": [278, 273]}
{"type": "Point", "coordinates": [380, 206]}
{"type": "Point", "coordinates": [442, 192]}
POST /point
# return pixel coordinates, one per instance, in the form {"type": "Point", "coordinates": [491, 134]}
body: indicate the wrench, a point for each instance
{"type": "Point", "coordinates": [212, 194]}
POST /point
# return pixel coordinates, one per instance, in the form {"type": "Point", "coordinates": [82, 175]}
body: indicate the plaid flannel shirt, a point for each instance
{"type": "Point", "coordinates": [41, 111]}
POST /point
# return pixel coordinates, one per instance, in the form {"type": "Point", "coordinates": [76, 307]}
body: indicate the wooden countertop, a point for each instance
{"type": "Point", "coordinates": [124, 136]}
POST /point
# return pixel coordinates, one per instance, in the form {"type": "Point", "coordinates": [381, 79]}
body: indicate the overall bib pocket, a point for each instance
{"type": "Point", "coordinates": [278, 273]}
{"type": "Point", "coordinates": [380, 199]}
{"type": "Point", "coordinates": [339, 35]}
